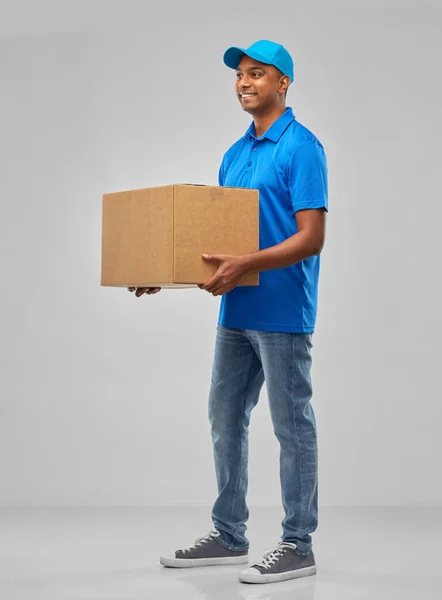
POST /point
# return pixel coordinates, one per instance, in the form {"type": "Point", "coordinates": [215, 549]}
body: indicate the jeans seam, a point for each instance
{"type": "Point", "coordinates": [301, 458]}
{"type": "Point", "coordinates": [242, 436]}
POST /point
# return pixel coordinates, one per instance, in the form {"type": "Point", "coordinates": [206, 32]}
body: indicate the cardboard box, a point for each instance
{"type": "Point", "coordinates": [155, 236]}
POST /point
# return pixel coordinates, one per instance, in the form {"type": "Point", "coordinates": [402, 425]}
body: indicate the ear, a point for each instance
{"type": "Point", "coordinates": [284, 83]}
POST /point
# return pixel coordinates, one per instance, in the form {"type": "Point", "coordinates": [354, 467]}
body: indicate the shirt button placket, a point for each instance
{"type": "Point", "coordinates": [253, 150]}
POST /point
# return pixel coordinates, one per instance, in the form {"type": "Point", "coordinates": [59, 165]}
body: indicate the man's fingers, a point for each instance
{"type": "Point", "coordinates": [144, 290]}
{"type": "Point", "coordinates": [211, 284]}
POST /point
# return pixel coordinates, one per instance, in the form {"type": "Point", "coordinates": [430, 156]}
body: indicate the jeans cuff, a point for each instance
{"type": "Point", "coordinates": [297, 549]}
{"type": "Point", "coordinates": [229, 546]}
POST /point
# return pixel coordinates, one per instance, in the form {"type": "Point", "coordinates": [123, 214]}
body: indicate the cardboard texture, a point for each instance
{"type": "Point", "coordinates": [154, 237]}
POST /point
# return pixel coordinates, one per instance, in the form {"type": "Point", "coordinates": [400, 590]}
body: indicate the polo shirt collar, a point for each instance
{"type": "Point", "coordinates": [277, 128]}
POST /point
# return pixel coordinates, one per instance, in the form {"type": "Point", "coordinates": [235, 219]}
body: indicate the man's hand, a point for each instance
{"type": "Point", "coordinates": [144, 290]}
{"type": "Point", "coordinates": [231, 271]}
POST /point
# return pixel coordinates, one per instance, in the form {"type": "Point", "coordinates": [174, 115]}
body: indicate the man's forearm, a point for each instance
{"type": "Point", "coordinates": [289, 252]}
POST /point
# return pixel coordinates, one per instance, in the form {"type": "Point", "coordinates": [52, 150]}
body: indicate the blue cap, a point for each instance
{"type": "Point", "coordinates": [263, 51]}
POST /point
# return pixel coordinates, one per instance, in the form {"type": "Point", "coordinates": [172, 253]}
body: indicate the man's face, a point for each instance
{"type": "Point", "coordinates": [262, 81]}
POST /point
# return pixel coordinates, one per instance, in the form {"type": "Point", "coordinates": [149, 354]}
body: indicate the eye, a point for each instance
{"type": "Point", "coordinates": [238, 75]}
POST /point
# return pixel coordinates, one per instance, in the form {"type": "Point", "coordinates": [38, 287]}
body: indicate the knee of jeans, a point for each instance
{"type": "Point", "coordinates": [222, 429]}
{"type": "Point", "coordinates": [214, 414]}
{"type": "Point", "coordinates": [285, 438]}
{"type": "Point", "coordinates": [217, 412]}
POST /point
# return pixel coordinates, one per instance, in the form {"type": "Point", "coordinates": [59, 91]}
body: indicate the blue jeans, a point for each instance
{"type": "Point", "coordinates": [243, 359]}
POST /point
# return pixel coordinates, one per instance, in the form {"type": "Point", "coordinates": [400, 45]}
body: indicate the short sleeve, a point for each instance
{"type": "Point", "coordinates": [308, 177]}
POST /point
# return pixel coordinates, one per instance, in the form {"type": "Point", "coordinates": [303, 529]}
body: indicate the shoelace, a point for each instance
{"type": "Point", "coordinates": [272, 556]}
{"type": "Point", "coordinates": [213, 533]}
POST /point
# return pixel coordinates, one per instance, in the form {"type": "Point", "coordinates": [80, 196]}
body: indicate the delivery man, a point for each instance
{"type": "Point", "coordinates": [264, 332]}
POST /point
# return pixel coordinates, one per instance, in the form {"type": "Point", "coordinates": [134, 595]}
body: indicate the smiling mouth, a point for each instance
{"type": "Point", "coordinates": [247, 96]}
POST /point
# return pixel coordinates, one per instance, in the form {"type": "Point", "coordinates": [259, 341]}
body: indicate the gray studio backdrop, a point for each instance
{"type": "Point", "coordinates": [103, 395]}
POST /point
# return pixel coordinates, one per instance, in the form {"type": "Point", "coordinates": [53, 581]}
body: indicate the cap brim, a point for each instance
{"type": "Point", "coordinates": [232, 56]}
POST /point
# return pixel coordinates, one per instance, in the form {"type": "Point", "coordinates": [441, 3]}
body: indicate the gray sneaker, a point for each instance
{"type": "Point", "coordinates": [207, 551]}
{"type": "Point", "coordinates": [280, 564]}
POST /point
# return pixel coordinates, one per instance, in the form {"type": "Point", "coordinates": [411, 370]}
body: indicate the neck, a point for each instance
{"type": "Point", "coordinates": [264, 121]}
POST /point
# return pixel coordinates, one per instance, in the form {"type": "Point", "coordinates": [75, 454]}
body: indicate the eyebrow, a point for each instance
{"type": "Point", "coordinates": [252, 68]}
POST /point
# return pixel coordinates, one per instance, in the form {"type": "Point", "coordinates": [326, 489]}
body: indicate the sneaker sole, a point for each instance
{"type": "Point", "coordinates": [169, 561]}
{"type": "Point", "coordinates": [258, 578]}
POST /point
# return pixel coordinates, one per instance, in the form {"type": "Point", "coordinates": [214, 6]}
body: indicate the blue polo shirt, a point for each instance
{"type": "Point", "coordinates": [287, 164]}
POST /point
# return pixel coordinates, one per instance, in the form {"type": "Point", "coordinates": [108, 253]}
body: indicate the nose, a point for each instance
{"type": "Point", "coordinates": [243, 82]}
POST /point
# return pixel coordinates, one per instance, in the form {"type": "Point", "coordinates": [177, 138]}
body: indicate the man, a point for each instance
{"type": "Point", "coordinates": [264, 332]}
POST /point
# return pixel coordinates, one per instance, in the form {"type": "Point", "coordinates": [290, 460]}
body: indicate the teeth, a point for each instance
{"type": "Point", "coordinates": [248, 95]}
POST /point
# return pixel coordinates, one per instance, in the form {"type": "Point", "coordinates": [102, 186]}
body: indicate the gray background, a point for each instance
{"type": "Point", "coordinates": [103, 395]}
